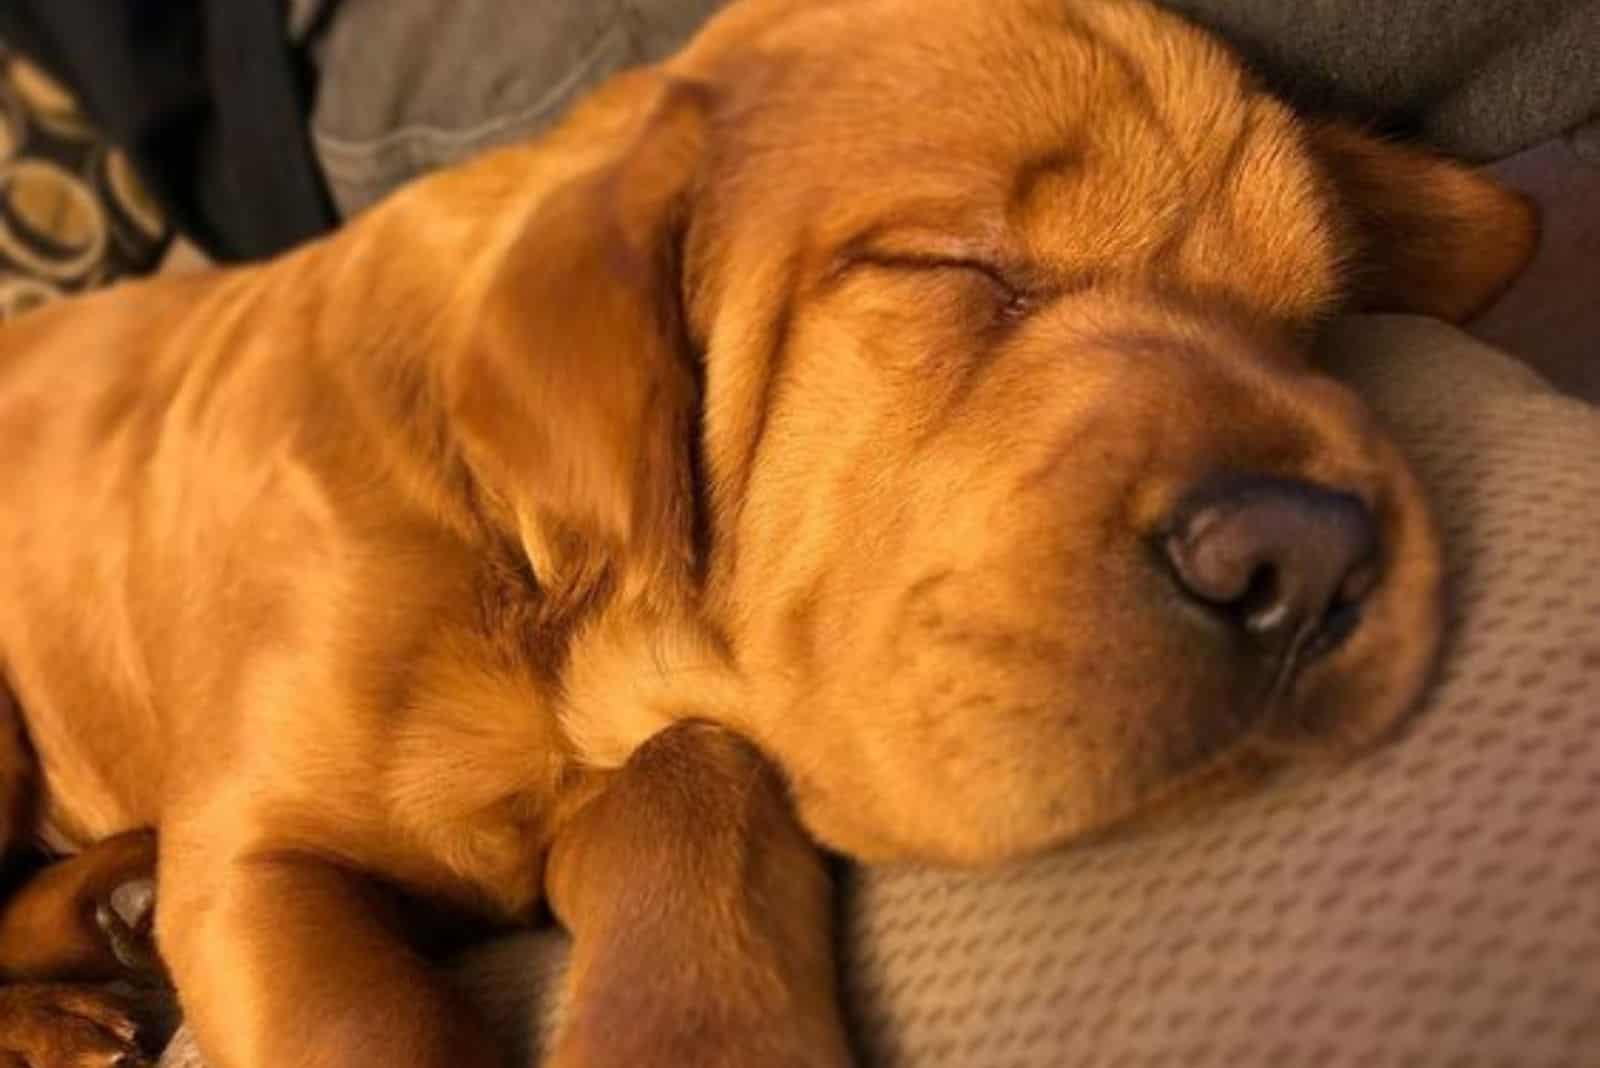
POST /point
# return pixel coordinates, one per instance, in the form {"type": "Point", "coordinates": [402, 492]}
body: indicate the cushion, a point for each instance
{"type": "Point", "coordinates": [1435, 902]}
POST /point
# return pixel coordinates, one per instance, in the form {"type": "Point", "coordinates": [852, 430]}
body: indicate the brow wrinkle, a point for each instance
{"type": "Point", "coordinates": [1041, 168]}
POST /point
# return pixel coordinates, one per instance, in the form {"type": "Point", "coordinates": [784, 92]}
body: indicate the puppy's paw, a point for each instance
{"type": "Point", "coordinates": [57, 1026]}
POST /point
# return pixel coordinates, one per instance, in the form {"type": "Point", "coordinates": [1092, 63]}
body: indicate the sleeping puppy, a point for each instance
{"type": "Point", "coordinates": [887, 424]}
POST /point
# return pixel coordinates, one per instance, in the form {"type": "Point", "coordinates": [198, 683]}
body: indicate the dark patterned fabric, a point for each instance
{"type": "Point", "coordinates": [73, 216]}
{"type": "Point", "coordinates": [1435, 904]}
{"type": "Point", "coordinates": [207, 97]}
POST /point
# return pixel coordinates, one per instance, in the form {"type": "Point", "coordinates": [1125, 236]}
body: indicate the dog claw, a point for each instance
{"type": "Point", "coordinates": [126, 919]}
{"type": "Point", "coordinates": [135, 902]}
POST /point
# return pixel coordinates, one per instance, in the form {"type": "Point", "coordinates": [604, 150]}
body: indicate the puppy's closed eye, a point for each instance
{"type": "Point", "coordinates": [995, 294]}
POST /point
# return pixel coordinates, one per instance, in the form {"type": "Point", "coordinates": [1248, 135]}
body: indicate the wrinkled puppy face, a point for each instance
{"type": "Point", "coordinates": [1014, 503]}
{"type": "Point", "coordinates": [1026, 506]}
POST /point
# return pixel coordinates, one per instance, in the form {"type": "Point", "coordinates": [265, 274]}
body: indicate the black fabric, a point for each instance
{"type": "Point", "coordinates": [207, 98]}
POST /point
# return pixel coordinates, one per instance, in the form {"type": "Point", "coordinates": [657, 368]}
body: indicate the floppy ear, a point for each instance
{"type": "Point", "coordinates": [575, 397]}
{"type": "Point", "coordinates": [1429, 235]}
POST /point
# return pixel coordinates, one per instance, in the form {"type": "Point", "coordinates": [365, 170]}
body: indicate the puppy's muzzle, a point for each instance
{"type": "Point", "coordinates": [1285, 564]}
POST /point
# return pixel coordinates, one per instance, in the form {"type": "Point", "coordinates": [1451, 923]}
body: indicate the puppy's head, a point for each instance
{"type": "Point", "coordinates": [1019, 505]}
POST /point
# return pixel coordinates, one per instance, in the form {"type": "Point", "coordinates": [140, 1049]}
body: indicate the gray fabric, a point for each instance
{"type": "Point", "coordinates": [1437, 903]}
{"type": "Point", "coordinates": [1480, 78]}
{"type": "Point", "coordinates": [407, 87]}
{"type": "Point", "coordinates": [1586, 142]}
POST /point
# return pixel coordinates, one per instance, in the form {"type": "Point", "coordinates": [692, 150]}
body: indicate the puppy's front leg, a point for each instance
{"type": "Point", "coordinates": [292, 960]}
{"type": "Point", "coordinates": [700, 915]}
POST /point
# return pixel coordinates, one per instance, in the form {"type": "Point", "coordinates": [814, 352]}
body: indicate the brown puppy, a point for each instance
{"type": "Point", "coordinates": [917, 388]}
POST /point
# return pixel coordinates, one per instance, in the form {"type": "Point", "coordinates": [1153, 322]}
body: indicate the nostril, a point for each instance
{"type": "Point", "coordinates": [1260, 607]}
{"type": "Point", "coordinates": [1276, 557]}
{"type": "Point", "coordinates": [1336, 625]}
{"type": "Point", "coordinates": [1263, 606]}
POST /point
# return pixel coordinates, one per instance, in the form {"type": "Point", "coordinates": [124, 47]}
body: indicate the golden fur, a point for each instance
{"type": "Point", "coordinates": [826, 383]}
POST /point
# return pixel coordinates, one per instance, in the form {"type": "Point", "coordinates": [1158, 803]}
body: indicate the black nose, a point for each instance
{"type": "Point", "coordinates": [1280, 559]}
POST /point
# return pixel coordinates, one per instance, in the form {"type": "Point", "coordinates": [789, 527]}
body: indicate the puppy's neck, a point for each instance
{"type": "Point", "coordinates": [632, 673]}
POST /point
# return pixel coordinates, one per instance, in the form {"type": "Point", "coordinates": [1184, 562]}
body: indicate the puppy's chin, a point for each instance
{"type": "Point", "coordinates": [1023, 819]}
{"type": "Point", "coordinates": [976, 816]}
